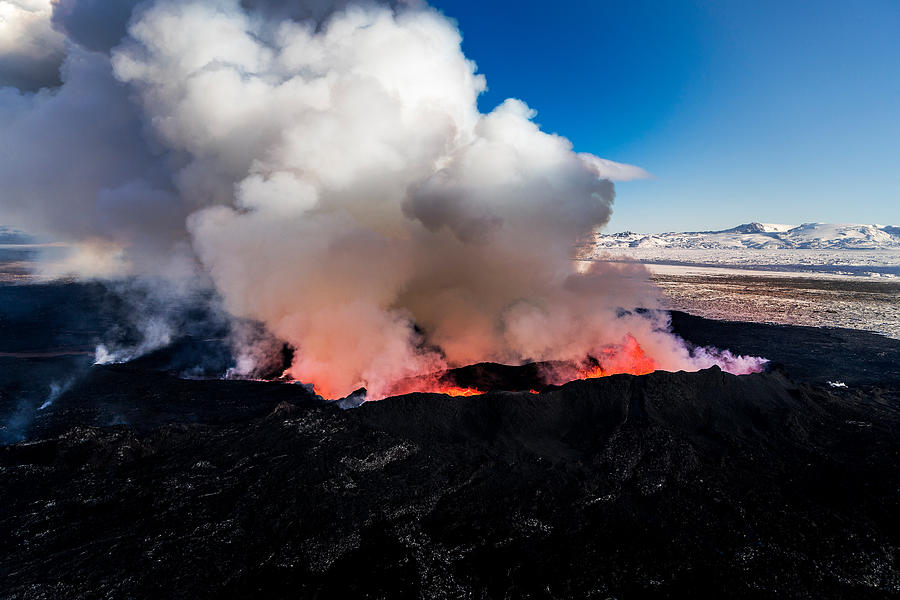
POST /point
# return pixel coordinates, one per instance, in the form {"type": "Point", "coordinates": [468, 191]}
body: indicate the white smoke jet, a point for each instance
{"type": "Point", "coordinates": [56, 390]}
{"type": "Point", "coordinates": [155, 333]}
{"type": "Point", "coordinates": [343, 189]}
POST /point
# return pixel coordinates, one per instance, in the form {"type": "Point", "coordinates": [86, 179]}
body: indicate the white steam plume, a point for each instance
{"type": "Point", "coordinates": [340, 185]}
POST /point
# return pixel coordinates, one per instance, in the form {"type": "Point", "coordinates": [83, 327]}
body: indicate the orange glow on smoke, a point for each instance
{"type": "Point", "coordinates": [322, 391]}
{"type": "Point", "coordinates": [628, 358]}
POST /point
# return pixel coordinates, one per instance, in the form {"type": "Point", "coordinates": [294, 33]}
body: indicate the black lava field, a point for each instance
{"type": "Point", "coordinates": [154, 479]}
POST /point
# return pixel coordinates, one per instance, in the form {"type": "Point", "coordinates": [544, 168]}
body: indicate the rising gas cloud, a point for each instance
{"type": "Point", "coordinates": [325, 167]}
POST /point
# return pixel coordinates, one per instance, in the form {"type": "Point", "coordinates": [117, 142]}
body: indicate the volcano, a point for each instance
{"type": "Point", "coordinates": [270, 246]}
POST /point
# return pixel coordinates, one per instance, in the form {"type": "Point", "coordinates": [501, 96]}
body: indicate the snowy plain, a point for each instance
{"type": "Point", "coordinates": [815, 274]}
{"type": "Point", "coordinates": [808, 236]}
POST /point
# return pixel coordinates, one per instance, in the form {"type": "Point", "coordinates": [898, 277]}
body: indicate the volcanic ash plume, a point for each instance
{"type": "Point", "coordinates": [344, 189]}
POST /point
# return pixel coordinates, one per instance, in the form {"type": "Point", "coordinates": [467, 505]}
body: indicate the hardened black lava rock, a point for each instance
{"type": "Point", "coordinates": [143, 480]}
{"type": "Point", "coordinates": [668, 484]}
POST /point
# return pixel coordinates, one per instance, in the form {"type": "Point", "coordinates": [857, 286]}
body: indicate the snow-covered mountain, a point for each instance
{"type": "Point", "coordinates": [14, 237]}
{"type": "Point", "coordinates": [818, 236]}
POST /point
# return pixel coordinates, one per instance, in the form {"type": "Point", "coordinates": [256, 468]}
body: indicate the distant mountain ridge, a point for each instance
{"type": "Point", "coordinates": [819, 236]}
{"type": "Point", "coordinates": [14, 237]}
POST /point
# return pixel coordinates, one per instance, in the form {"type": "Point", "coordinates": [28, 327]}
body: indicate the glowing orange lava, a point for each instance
{"type": "Point", "coordinates": [628, 358]}
{"type": "Point", "coordinates": [457, 391]}
{"type": "Point", "coordinates": [434, 383]}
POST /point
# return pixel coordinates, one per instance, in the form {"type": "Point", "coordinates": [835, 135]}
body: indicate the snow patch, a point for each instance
{"type": "Point", "coordinates": [765, 235]}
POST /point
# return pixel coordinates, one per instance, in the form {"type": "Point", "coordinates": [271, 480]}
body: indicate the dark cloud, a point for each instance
{"type": "Point", "coordinates": [30, 50]}
{"type": "Point", "coordinates": [29, 72]}
{"type": "Point", "coordinates": [97, 25]}
{"type": "Point", "coordinates": [317, 11]}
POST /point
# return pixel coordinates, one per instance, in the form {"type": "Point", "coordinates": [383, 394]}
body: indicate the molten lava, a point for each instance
{"type": "Point", "coordinates": [457, 391]}
{"type": "Point", "coordinates": [434, 384]}
{"type": "Point", "coordinates": [629, 358]}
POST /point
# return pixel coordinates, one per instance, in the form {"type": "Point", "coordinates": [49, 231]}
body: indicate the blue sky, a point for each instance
{"type": "Point", "coordinates": [771, 111]}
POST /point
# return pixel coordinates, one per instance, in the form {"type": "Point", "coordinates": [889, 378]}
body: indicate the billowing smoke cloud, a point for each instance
{"type": "Point", "coordinates": [30, 50]}
{"type": "Point", "coordinates": [337, 183]}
